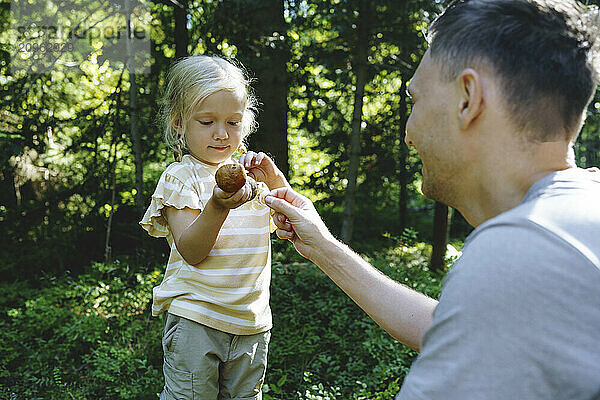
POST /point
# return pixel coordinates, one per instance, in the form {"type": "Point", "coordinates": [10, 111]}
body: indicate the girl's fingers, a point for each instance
{"type": "Point", "coordinates": [242, 159]}
{"type": "Point", "coordinates": [248, 159]}
{"type": "Point", "coordinates": [221, 194]}
{"type": "Point", "coordinates": [232, 200]}
{"type": "Point", "coordinates": [252, 159]}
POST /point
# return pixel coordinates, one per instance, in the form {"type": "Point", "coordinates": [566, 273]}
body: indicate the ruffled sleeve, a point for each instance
{"type": "Point", "coordinates": [170, 192]}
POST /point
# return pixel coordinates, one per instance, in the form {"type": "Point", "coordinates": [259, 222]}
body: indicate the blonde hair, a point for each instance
{"type": "Point", "coordinates": [191, 80]}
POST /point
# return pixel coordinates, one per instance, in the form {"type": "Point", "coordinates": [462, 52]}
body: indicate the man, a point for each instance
{"type": "Point", "coordinates": [499, 99]}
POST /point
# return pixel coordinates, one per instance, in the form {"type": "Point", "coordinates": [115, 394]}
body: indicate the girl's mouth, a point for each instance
{"type": "Point", "coordinates": [219, 148]}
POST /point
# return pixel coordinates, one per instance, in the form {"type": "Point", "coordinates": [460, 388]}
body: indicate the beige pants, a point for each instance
{"type": "Point", "coordinates": [202, 363]}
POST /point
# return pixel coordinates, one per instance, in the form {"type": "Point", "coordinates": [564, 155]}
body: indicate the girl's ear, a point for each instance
{"type": "Point", "coordinates": [178, 147]}
{"type": "Point", "coordinates": [176, 123]}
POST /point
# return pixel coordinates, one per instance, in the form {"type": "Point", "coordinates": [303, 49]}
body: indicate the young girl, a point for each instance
{"type": "Point", "coordinates": [216, 285]}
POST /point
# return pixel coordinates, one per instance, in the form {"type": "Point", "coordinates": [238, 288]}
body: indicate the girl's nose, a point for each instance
{"type": "Point", "coordinates": [220, 132]}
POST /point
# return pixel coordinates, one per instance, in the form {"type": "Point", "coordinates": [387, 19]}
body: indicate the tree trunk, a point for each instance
{"type": "Point", "coordinates": [360, 68]}
{"type": "Point", "coordinates": [8, 194]}
{"type": "Point", "coordinates": [135, 137]}
{"type": "Point", "coordinates": [402, 161]}
{"type": "Point", "coordinates": [107, 246]}
{"type": "Point", "coordinates": [113, 171]}
{"type": "Point", "coordinates": [404, 181]}
{"type": "Point", "coordinates": [441, 223]}
{"type": "Point", "coordinates": [181, 33]}
{"type": "Point", "coordinates": [137, 147]}
{"type": "Point", "coordinates": [271, 83]}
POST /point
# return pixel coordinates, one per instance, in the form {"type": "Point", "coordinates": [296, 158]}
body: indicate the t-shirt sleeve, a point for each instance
{"type": "Point", "coordinates": [498, 323]}
{"type": "Point", "coordinates": [171, 191]}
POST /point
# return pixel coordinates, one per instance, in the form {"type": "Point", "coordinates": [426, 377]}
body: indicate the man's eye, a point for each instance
{"type": "Point", "coordinates": [234, 123]}
{"type": "Point", "coordinates": [206, 123]}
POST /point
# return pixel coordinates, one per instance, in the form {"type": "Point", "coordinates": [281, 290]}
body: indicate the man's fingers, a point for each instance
{"type": "Point", "coordinates": [290, 196]}
{"type": "Point", "coordinates": [280, 220]}
{"type": "Point", "coordinates": [282, 207]}
{"type": "Point", "coordinates": [282, 223]}
{"type": "Point", "coordinates": [283, 234]}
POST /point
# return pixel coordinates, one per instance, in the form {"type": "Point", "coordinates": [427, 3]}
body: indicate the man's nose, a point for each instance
{"type": "Point", "coordinates": [407, 140]}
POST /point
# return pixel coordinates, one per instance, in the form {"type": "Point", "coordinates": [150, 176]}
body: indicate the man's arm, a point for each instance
{"type": "Point", "coordinates": [404, 313]}
{"type": "Point", "coordinates": [401, 311]}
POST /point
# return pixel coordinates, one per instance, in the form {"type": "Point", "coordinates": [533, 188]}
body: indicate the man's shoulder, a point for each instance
{"type": "Point", "coordinates": [535, 240]}
{"type": "Point", "coordinates": [519, 305]}
{"type": "Point", "coordinates": [513, 303]}
{"type": "Point", "coordinates": [561, 221]}
{"type": "Point", "coordinates": [522, 269]}
{"type": "Point", "coordinates": [525, 252]}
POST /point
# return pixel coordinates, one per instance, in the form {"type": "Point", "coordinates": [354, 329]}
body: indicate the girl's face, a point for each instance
{"type": "Point", "coordinates": [214, 130]}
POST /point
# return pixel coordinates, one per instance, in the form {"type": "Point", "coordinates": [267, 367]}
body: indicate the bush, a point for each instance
{"type": "Point", "coordinates": [325, 345]}
{"type": "Point", "coordinates": [92, 337]}
{"type": "Point", "coordinates": [84, 338]}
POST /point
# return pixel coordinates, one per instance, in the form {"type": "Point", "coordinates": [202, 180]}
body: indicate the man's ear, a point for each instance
{"type": "Point", "coordinates": [471, 102]}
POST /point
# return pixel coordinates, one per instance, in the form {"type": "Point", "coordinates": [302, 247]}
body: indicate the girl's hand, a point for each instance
{"type": "Point", "coordinates": [262, 168]}
{"type": "Point", "coordinates": [227, 200]}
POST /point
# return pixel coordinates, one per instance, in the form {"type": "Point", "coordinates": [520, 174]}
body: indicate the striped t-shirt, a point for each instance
{"type": "Point", "coordinates": [229, 289]}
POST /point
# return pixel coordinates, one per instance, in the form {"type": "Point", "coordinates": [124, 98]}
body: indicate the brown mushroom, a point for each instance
{"type": "Point", "coordinates": [231, 178]}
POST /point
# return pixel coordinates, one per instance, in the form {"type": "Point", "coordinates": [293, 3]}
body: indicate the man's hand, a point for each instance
{"type": "Point", "coordinates": [298, 221]}
{"type": "Point", "coordinates": [401, 311]}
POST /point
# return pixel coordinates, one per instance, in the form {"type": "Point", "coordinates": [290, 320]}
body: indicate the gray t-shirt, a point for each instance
{"type": "Point", "coordinates": [519, 313]}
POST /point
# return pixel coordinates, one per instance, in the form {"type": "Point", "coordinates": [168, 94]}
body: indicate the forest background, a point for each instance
{"type": "Point", "coordinates": [81, 152]}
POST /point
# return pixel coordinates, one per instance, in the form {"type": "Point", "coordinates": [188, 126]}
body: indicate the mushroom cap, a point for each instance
{"type": "Point", "coordinates": [231, 177]}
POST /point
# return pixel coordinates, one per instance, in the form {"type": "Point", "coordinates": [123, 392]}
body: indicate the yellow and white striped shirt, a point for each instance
{"type": "Point", "coordinates": [229, 289]}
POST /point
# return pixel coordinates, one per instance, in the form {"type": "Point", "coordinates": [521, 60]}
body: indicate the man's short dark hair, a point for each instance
{"type": "Point", "coordinates": [544, 53]}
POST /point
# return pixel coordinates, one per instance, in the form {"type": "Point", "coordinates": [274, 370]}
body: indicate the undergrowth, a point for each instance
{"type": "Point", "coordinates": [92, 337]}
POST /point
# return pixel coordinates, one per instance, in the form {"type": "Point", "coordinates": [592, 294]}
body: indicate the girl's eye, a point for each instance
{"type": "Point", "coordinates": [234, 123]}
{"type": "Point", "coordinates": [206, 123]}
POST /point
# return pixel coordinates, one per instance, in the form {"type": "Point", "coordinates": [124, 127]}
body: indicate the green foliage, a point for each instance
{"type": "Point", "coordinates": [92, 337]}
{"type": "Point", "coordinates": [325, 347]}
{"type": "Point", "coordinates": [587, 147]}
{"type": "Point", "coordinates": [85, 338]}
{"type": "Point", "coordinates": [65, 133]}
{"type": "Point", "coordinates": [321, 106]}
